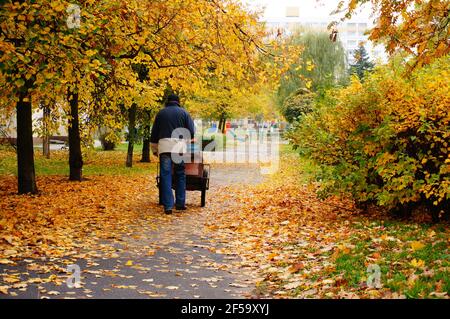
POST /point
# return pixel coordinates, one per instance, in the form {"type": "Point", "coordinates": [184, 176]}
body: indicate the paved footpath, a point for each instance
{"type": "Point", "coordinates": [171, 258]}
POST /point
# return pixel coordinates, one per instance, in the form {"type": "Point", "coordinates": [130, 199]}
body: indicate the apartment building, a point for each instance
{"type": "Point", "coordinates": [351, 33]}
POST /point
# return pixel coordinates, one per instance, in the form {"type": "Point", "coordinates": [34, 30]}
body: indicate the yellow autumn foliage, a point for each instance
{"type": "Point", "coordinates": [385, 140]}
{"type": "Point", "coordinates": [417, 27]}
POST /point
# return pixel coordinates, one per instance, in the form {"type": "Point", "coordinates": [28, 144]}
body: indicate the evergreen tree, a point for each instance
{"type": "Point", "coordinates": [362, 62]}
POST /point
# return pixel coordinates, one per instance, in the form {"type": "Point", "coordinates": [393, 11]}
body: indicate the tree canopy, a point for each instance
{"type": "Point", "coordinates": [420, 28]}
{"type": "Point", "coordinates": [321, 64]}
{"type": "Point", "coordinates": [102, 61]}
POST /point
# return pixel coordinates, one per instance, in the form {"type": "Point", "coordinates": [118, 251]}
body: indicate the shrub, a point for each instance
{"type": "Point", "coordinates": [385, 140]}
{"type": "Point", "coordinates": [108, 138]}
{"type": "Point", "coordinates": [298, 104]}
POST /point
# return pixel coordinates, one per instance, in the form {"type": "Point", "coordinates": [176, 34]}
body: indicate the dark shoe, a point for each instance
{"type": "Point", "coordinates": [168, 211]}
{"type": "Point", "coordinates": [181, 208]}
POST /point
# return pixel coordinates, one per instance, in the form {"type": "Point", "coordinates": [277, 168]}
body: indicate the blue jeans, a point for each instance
{"type": "Point", "coordinates": [165, 161]}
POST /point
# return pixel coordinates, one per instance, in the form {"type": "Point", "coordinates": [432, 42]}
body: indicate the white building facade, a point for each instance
{"type": "Point", "coordinates": [287, 15]}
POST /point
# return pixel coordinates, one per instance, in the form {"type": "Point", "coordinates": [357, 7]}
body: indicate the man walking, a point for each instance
{"type": "Point", "coordinates": [171, 132]}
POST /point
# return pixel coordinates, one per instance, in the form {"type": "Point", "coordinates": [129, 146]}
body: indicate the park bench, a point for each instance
{"type": "Point", "coordinates": [57, 142]}
{"type": "Point", "coordinates": [64, 144]}
{"type": "Point", "coordinates": [197, 177]}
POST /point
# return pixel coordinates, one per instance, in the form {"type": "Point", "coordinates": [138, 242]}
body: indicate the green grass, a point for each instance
{"type": "Point", "coordinates": [301, 168]}
{"type": "Point", "coordinates": [396, 261]}
{"type": "Point", "coordinates": [123, 147]}
{"type": "Point", "coordinates": [287, 149]}
{"type": "Point", "coordinates": [352, 267]}
{"type": "Point", "coordinates": [96, 162]}
{"type": "Point", "coordinates": [99, 162]}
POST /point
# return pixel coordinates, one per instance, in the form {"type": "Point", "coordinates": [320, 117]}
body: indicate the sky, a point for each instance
{"type": "Point", "coordinates": [309, 9]}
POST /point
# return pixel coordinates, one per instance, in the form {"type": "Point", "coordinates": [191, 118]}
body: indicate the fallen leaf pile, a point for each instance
{"type": "Point", "coordinates": [275, 238]}
{"type": "Point", "coordinates": [307, 248]}
{"type": "Point", "coordinates": [115, 230]}
{"type": "Point", "coordinates": [67, 216]}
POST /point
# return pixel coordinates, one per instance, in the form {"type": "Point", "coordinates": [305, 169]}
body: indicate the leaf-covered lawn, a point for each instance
{"type": "Point", "coordinates": [96, 162]}
{"type": "Point", "coordinates": [308, 248]}
{"type": "Point", "coordinates": [292, 243]}
{"type": "Point", "coordinates": [67, 215]}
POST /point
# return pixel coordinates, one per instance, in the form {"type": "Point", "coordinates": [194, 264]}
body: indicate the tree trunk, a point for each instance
{"type": "Point", "coordinates": [224, 123]}
{"type": "Point", "coordinates": [219, 128]}
{"type": "Point", "coordinates": [146, 140]}
{"type": "Point", "coordinates": [25, 153]}
{"type": "Point", "coordinates": [146, 150]}
{"type": "Point", "coordinates": [75, 155]}
{"type": "Point", "coordinates": [46, 137]}
{"type": "Point", "coordinates": [131, 134]}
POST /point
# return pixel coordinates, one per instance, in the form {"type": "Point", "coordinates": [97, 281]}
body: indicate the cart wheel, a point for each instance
{"type": "Point", "coordinates": [203, 201]}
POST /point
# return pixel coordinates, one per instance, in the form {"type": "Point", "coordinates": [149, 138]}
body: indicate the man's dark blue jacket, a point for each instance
{"type": "Point", "coordinates": [171, 117]}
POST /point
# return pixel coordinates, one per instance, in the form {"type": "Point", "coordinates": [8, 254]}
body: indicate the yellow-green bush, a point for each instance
{"type": "Point", "coordinates": [385, 140]}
